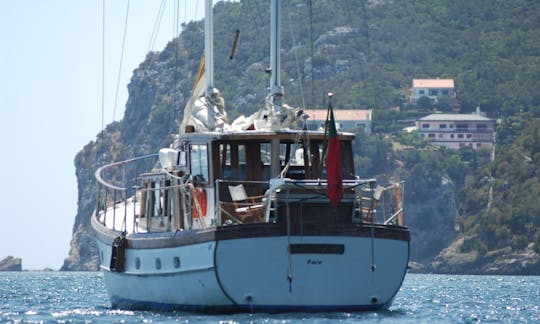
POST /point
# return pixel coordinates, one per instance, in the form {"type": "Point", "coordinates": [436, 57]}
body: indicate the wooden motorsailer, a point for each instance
{"type": "Point", "coordinates": [233, 221]}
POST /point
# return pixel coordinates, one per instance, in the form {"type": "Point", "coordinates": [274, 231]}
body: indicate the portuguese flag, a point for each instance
{"type": "Point", "coordinates": [334, 172]}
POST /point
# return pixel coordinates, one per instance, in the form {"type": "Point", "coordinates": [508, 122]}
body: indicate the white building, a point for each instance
{"type": "Point", "coordinates": [347, 120]}
{"type": "Point", "coordinates": [458, 130]}
{"type": "Point", "coordinates": [432, 88]}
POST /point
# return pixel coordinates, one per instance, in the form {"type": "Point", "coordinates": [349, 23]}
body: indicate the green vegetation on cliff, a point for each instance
{"type": "Point", "coordinates": [513, 215]}
{"type": "Point", "coordinates": [367, 53]}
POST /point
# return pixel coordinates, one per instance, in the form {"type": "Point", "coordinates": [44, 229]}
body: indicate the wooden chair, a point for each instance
{"type": "Point", "coordinates": [247, 209]}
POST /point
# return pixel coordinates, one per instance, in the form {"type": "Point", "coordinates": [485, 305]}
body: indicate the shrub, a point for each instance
{"type": "Point", "coordinates": [536, 246]}
{"type": "Point", "coordinates": [519, 242]}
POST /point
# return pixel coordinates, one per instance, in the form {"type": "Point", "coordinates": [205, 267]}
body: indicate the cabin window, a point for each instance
{"type": "Point", "coordinates": [442, 126]}
{"type": "Point", "coordinates": [158, 263]}
{"type": "Point", "coordinates": [137, 263]}
{"type": "Point", "coordinates": [233, 161]}
{"type": "Point", "coordinates": [198, 161]}
{"type": "Point", "coordinates": [157, 200]}
{"type": "Point", "coordinates": [151, 199]}
{"type": "Point", "coordinates": [425, 125]}
{"type": "Point", "coordinates": [182, 159]}
{"type": "Point", "coordinates": [176, 262]}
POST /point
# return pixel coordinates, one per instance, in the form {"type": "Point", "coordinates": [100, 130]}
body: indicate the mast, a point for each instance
{"type": "Point", "coordinates": [276, 91]}
{"type": "Point", "coordinates": [209, 60]}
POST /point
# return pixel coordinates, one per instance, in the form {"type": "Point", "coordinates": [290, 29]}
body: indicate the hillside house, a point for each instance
{"type": "Point", "coordinates": [432, 88]}
{"type": "Point", "coordinates": [458, 130]}
{"type": "Point", "coordinates": [347, 120]}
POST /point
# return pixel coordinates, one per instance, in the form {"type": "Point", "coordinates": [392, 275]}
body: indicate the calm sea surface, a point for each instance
{"type": "Point", "coordinates": [49, 297]}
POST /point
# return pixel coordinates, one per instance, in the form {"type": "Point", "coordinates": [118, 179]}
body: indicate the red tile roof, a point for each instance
{"type": "Point", "coordinates": [433, 83]}
{"type": "Point", "coordinates": [340, 114]}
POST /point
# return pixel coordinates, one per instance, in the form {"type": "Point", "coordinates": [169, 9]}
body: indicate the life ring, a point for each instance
{"type": "Point", "coordinates": [199, 197]}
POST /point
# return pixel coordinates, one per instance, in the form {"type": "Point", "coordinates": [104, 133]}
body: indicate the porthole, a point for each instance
{"type": "Point", "coordinates": [176, 262]}
{"type": "Point", "coordinates": [158, 263]}
{"type": "Point", "coordinates": [137, 263]}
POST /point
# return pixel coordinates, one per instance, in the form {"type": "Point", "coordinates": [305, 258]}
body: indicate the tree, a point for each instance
{"type": "Point", "coordinates": [424, 103]}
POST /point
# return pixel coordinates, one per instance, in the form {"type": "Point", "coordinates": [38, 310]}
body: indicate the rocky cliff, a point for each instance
{"type": "Point", "coordinates": [11, 263]}
{"type": "Point", "coordinates": [457, 258]}
{"type": "Point", "coordinates": [161, 84]}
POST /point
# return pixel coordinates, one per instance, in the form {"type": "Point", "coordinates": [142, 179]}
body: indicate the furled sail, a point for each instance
{"type": "Point", "coordinates": [196, 109]}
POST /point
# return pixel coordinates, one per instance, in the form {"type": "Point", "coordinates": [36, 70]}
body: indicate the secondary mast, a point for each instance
{"type": "Point", "coordinates": [209, 61]}
{"type": "Point", "coordinates": [276, 89]}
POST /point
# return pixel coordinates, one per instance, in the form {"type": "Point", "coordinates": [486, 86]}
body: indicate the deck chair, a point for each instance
{"type": "Point", "coordinates": [247, 209]}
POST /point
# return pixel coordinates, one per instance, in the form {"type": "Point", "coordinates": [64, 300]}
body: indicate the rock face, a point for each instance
{"type": "Point", "coordinates": [159, 88]}
{"type": "Point", "coordinates": [461, 258]}
{"type": "Point", "coordinates": [149, 120]}
{"type": "Point", "coordinates": [11, 264]}
{"type": "Point", "coordinates": [430, 206]}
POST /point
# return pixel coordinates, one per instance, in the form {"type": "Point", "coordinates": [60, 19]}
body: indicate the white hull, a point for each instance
{"type": "Point", "coordinates": [259, 274]}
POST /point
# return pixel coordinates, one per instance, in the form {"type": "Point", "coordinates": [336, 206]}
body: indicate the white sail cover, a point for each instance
{"type": "Point", "coordinates": [196, 113]}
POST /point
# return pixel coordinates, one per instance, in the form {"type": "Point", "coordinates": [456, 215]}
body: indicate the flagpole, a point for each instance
{"type": "Point", "coordinates": [334, 163]}
{"type": "Point", "coordinates": [325, 141]}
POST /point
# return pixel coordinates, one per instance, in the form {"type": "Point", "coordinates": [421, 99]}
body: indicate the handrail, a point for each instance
{"type": "Point", "coordinates": [98, 172]}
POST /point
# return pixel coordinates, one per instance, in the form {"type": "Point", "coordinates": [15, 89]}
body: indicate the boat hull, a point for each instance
{"type": "Point", "coordinates": [260, 269]}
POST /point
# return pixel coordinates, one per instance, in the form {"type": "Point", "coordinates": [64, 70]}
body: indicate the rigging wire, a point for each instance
{"type": "Point", "coordinates": [103, 70]}
{"type": "Point", "coordinates": [368, 76]}
{"type": "Point", "coordinates": [299, 75]}
{"type": "Point", "coordinates": [176, 14]}
{"type": "Point", "coordinates": [355, 39]}
{"type": "Point", "coordinates": [157, 24]}
{"type": "Point", "coordinates": [368, 46]}
{"type": "Point", "coordinates": [175, 34]}
{"type": "Point", "coordinates": [121, 61]}
{"type": "Point", "coordinates": [311, 42]}
{"type": "Point", "coordinates": [185, 11]}
{"type": "Point", "coordinates": [256, 20]}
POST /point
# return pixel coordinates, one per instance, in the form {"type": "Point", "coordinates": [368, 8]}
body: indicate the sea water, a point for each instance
{"type": "Point", "coordinates": [80, 297]}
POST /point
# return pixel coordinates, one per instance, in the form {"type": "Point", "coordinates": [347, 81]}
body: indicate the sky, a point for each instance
{"type": "Point", "coordinates": [51, 106]}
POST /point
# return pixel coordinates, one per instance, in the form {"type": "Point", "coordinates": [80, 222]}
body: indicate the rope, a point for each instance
{"type": "Point", "coordinates": [372, 234]}
{"type": "Point", "coordinates": [289, 257]}
{"type": "Point", "coordinates": [121, 61]}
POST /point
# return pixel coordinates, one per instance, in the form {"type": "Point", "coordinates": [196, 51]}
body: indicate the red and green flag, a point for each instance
{"type": "Point", "coordinates": [334, 171]}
